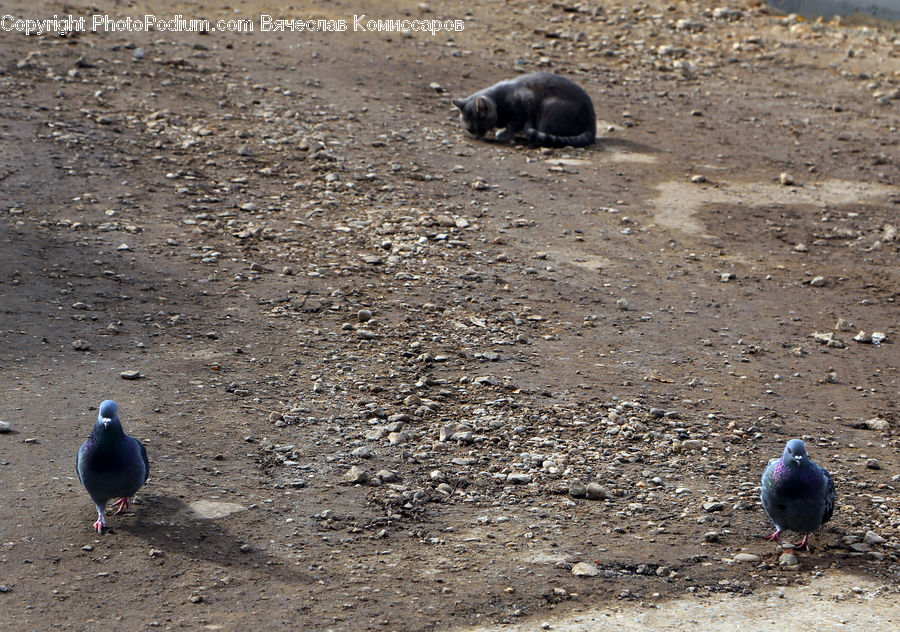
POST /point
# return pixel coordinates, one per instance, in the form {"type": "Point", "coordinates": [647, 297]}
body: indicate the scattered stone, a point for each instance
{"type": "Point", "coordinates": [801, 248]}
{"type": "Point", "coordinates": [584, 569]}
{"type": "Point", "coordinates": [726, 276]}
{"type": "Point", "coordinates": [843, 325]}
{"type": "Point", "coordinates": [81, 345]}
{"type": "Point", "coordinates": [711, 536]}
{"type": "Point", "coordinates": [747, 558]}
{"type": "Point", "coordinates": [595, 491]}
{"type": "Point", "coordinates": [364, 315]}
{"type": "Point", "coordinates": [362, 452]}
{"type": "Point", "coordinates": [873, 338]}
{"type": "Point", "coordinates": [878, 424]}
{"type": "Point", "coordinates": [699, 179]}
{"type": "Point", "coordinates": [713, 506]}
{"type": "Point", "coordinates": [622, 304]}
{"type": "Point", "coordinates": [873, 538]}
{"type": "Point", "coordinates": [156, 553]}
{"type": "Point", "coordinates": [827, 339]}
{"type": "Point", "coordinates": [5, 427]}
{"type": "Point", "coordinates": [787, 179]}
{"type": "Point", "coordinates": [577, 488]}
{"type": "Point", "coordinates": [873, 464]}
{"type": "Point", "coordinates": [788, 559]}
{"type": "Point", "coordinates": [397, 438]}
{"type": "Point", "coordinates": [451, 431]}
{"type": "Point", "coordinates": [130, 375]}
{"type": "Point", "coordinates": [355, 476]}
{"type": "Point", "coordinates": [819, 281]}
{"type": "Point", "coordinates": [388, 476]}
{"type": "Point", "coordinates": [519, 478]}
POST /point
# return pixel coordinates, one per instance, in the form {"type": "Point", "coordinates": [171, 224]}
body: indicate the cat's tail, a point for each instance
{"type": "Point", "coordinates": [550, 140]}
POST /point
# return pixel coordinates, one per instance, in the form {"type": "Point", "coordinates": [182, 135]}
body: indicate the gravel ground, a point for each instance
{"type": "Point", "coordinates": [393, 378]}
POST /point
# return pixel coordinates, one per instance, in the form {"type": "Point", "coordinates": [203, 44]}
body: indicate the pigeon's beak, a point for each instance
{"type": "Point", "coordinates": [798, 457]}
{"type": "Point", "coordinates": [105, 421]}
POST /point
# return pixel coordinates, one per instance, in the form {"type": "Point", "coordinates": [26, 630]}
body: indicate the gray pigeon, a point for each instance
{"type": "Point", "coordinates": [111, 464]}
{"type": "Point", "coordinates": [797, 494]}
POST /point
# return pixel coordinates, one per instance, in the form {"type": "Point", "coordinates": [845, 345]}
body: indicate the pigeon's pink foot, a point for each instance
{"type": "Point", "coordinates": [100, 524]}
{"type": "Point", "coordinates": [775, 536]}
{"type": "Point", "coordinates": [804, 543]}
{"type": "Point", "coordinates": [122, 504]}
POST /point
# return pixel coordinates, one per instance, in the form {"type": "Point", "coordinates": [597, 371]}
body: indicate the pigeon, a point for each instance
{"type": "Point", "coordinates": [111, 464]}
{"type": "Point", "coordinates": [797, 494]}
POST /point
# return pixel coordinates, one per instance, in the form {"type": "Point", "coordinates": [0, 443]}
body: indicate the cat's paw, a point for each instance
{"type": "Point", "coordinates": [504, 135]}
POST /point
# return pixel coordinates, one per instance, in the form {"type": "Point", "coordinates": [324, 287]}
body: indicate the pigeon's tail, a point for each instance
{"type": "Point", "coordinates": [544, 139]}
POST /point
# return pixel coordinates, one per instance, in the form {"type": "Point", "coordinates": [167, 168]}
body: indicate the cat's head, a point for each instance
{"type": "Point", "coordinates": [478, 114]}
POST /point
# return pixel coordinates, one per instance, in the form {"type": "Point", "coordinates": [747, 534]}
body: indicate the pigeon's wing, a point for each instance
{"type": "Point", "coordinates": [146, 461]}
{"type": "Point", "coordinates": [830, 495]}
{"type": "Point", "coordinates": [767, 483]}
{"type": "Point", "coordinates": [79, 461]}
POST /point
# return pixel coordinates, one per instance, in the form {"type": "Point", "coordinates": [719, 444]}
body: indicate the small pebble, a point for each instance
{"type": "Point", "coordinates": [362, 452]}
{"type": "Point", "coordinates": [355, 476]}
{"type": "Point", "coordinates": [873, 538]}
{"type": "Point", "coordinates": [876, 423]}
{"type": "Point", "coordinates": [577, 488]}
{"type": "Point", "coordinates": [584, 569]}
{"type": "Point", "coordinates": [520, 478]}
{"type": "Point", "coordinates": [788, 559]}
{"type": "Point", "coordinates": [5, 427]}
{"type": "Point", "coordinates": [130, 375]}
{"type": "Point", "coordinates": [749, 558]}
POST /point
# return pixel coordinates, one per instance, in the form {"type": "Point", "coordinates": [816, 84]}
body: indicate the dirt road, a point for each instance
{"type": "Point", "coordinates": [380, 362]}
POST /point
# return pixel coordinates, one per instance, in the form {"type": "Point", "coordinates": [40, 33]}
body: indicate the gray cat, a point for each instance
{"type": "Point", "coordinates": [546, 109]}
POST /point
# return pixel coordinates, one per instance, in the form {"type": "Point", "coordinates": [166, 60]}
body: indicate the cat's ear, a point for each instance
{"type": "Point", "coordinates": [460, 103]}
{"type": "Point", "coordinates": [481, 106]}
